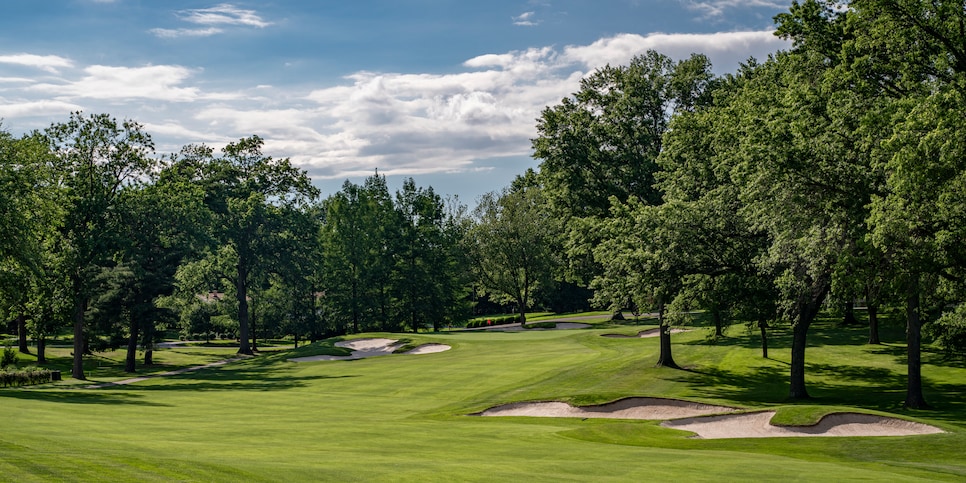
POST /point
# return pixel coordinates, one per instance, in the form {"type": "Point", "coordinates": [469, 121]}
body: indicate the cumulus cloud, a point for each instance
{"type": "Point", "coordinates": [48, 63]}
{"type": "Point", "coordinates": [159, 82]}
{"type": "Point", "coordinates": [724, 49]}
{"type": "Point", "coordinates": [400, 123]}
{"type": "Point", "coordinates": [40, 108]}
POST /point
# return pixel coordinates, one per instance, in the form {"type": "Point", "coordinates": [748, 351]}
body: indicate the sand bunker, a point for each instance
{"type": "Point", "coordinates": [629, 408]}
{"type": "Point", "coordinates": [758, 425]}
{"type": "Point", "coordinates": [644, 334]}
{"type": "Point", "coordinates": [429, 349]}
{"type": "Point", "coordinates": [374, 347]}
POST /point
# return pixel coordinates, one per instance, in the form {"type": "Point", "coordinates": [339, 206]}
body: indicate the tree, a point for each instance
{"type": "Point", "coordinates": [28, 210]}
{"type": "Point", "coordinates": [509, 244]}
{"type": "Point", "coordinates": [96, 159]}
{"type": "Point", "coordinates": [163, 228]}
{"type": "Point", "coordinates": [358, 251]}
{"type": "Point", "coordinates": [428, 277]}
{"type": "Point", "coordinates": [909, 55]}
{"type": "Point", "coordinates": [604, 141]}
{"type": "Point", "coordinates": [244, 191]}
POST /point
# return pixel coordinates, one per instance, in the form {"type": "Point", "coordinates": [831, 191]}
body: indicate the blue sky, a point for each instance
{"type": "Point", "coordinates": [444, 91]}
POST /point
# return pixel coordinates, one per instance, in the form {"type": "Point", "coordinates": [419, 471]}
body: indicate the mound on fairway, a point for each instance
{"type": "Point", "coordinates": [518, 328]}
{"type": "Point", "coordinates": [644, 334]}
{"type": "Point", "coordinates": [373, 347]}
{"type": "Point", "coordinates": [758, 425]}
{"type": "Point", "coordinates": [628, 408]}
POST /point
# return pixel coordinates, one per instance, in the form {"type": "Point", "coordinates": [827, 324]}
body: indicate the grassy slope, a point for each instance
{"type": "Point", "coordinates": [403, 417]}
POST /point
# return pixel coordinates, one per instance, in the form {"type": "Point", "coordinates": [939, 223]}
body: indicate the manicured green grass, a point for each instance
{"type": "Point", "coordinates": [405, 417]}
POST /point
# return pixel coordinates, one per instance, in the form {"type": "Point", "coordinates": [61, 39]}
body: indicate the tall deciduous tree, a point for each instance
{"type": "Point", "coordinates": [245, 191]}
{"type": "Point", "coordinates": [97, 159]}
{"type": "Point", "coordinates": [28, 212]}
{"type": "Point", "coordinates": [358, 252]}
{"type": "Point", "coordinates": [510, 244]}
{"type": "Point", "coordinates": [909, 55]}
{"type": "Point", "coordinates": [604, 140]}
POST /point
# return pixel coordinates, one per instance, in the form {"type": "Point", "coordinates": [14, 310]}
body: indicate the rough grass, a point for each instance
{"type": "Point", "coordinates": [404, 417]}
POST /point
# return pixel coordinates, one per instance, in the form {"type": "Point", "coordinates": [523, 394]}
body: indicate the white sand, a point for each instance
{"type": "Point", "coordinates": [629, 408]}
{"type": "Point", "coordinates": [644, 334]}
{"type": "Point", "coordinates": [374, 347]}
{"type": "Point", "coordinates": [429, 349]}
{"type": "Point", "coordinates": [758, 425]}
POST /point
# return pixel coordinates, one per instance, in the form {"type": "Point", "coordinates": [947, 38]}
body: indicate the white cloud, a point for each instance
{"type": "Point", "coordinates": [212, 20]}
{"type": "Point", "coordinates": [175, 33]}
{"type": "Point", "coordinates": [160, 82]}
{"type": "Point", "coordinates": [48, 63]}
{"type": "Point", "coordinates": [716, 8]}
{"type": "Point", "coordinates": [526, 19]}
{"type": "Point", "coordinates": [39, 108]}
{"type": "Point", "coordinates": [224, 14]}
{"type": "Point", "coordinates": [400, 123]}
{"type": "Point", "coordinates": [725, 49]}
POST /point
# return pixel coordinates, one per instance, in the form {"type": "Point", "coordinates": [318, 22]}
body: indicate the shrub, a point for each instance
{"type": "Point", "coordinates": [24, 377]}
{"type": "Point", "coordinates": [493, 321]}
{"type": "Point", "coordinates": [9, 357]}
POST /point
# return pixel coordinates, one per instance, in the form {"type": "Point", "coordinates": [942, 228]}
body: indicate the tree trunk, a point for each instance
{"type": "Point", "coordinates": [799, 341]}
{"type": "Point", "coordinates": [22, 334]}
{"type": "Point", "coordinates": [80, 306]}
{"type": "Point", "coordinates": [914, 397]}
{"type": "Point", "coordinates": [809, 308]}
{"type": "Point", "coordinates": [41, 350]}
{"type": "Point", "coordinates": [241, 292]}
{"type": "Point", "coordinates": [665, 359]}
{"type": "Point", "coordinates": [251, 321]}
{"type": "Point", "coordinates": [849, 317]}
{"type": "Point", "coordinates": [763, 327]}
{"type": "Point", "coordinates": [874, 324]}
{"type": "Point", "coordinates": [132, 346]}
{"type": "Point", "coordinates": [617, 315]}
{"type": "Point", "coordinates": [716, 317]}
{"type": "Point", "coordinates": [523, 313]}
{"type": "Point", "coordinates": [149, 345]}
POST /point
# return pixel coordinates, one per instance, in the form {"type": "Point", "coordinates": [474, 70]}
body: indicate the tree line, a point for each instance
{"type": "Point", "coordinates": [103, 238]}
{"type": "Point", "coordinates": [831, 172]}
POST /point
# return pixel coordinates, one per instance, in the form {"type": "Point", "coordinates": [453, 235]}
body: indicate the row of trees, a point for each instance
{"type": "Point", "coordinates": [100, 234]}
{"type": "Point", "coordinates": [836, 169]}
{"type": "Point", "coordinates": [830, 172]}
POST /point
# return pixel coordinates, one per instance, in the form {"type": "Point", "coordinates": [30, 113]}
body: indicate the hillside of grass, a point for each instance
{"type": "Point", "coordinates": [406, 417]}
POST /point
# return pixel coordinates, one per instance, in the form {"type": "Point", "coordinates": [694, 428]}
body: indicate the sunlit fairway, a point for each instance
{"type": "Point", "coordinates": [406, 417]}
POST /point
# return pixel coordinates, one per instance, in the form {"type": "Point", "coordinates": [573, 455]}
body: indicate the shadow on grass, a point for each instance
{"type": "Point", "coordinates": [765, 384]}
{"type": "Point", "coordinates": [77, 396]}
{"type": "Point", "coordinates": [224, 378]}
